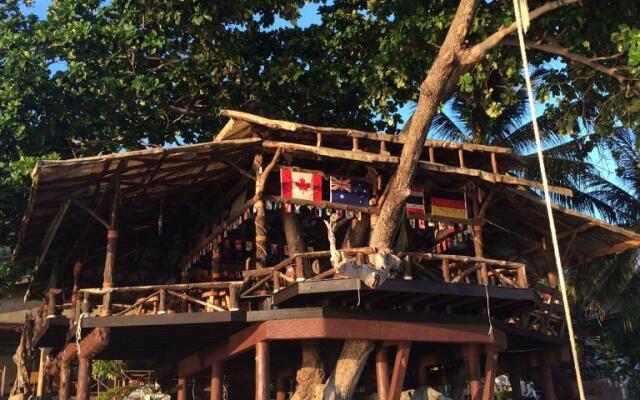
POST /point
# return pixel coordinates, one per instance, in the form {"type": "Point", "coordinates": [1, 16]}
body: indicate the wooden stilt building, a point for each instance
{"type": "Point", "coordinates": [213, 263]}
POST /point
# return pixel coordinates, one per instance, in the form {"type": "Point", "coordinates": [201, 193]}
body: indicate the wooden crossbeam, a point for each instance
{"type": "Point", "coordinates": [337, 328]}
{"type": "Point", "coordinates": [399, 371]}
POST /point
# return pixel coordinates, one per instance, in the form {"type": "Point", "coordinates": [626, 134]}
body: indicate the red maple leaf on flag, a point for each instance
{"type": "Point", "coordinates": [303, 185]}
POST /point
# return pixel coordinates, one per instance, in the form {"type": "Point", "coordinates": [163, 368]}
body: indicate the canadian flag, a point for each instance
{"type": "Point", "coordinates": [301, 185]}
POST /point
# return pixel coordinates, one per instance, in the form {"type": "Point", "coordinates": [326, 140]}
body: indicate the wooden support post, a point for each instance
{"type": "Point", "coordinates": [446, 273]}
{"type": "Point", "coordinates": [295, 242]}
{"type": "Point", "coordinates": [162, 301]}
{"type": "Point", "coordinates": [3, 379]}
{"type": "Point", "coordinates": [216, 381]}
{"type": "Point", "coordinates": [471, 354]}
{"type": "Point", "coordinates": [432, 155]}
{"type": "Point", "coordinates": [399, 371]}
{"type": "Point", "coordinates": [260, 218]}
{"type": "Point", "coordinates": [233, 298]}
{"type": "Point", "coordinates": [216, 273]}
{"type": "Point", "coordinates": [382, 372]}
{"type": "Point", "coordinates": [84, 378]}
{"type": "Point", "coordinates": [515, 376]}
{"type": "Point", "coordinates": [461, 157]}
{"type": "Point", "coordinates": [44, 354]}
{"type": "Point", "coordinates": [494, 163]}
{"type": "Point", "coordinates": [65, 380]}
{"type": "Point", "coordinates": [550, 263]}
{"type": "Point", "coordinates": [522, 278]}
{"type": "Point", "coordinates": [355, 146]}
{"type": "Point", "coordinates": [490, 369]}
{"type": "Point", "coordinates": [275, 276]}
{"type": "Point", "coordinates": [262, 371]}
{"type": "Point", "coordinates": [281, 388]}
{"type": "Point", "coordinates": [112, 245]}
{"type": "Point", "coordinates": [478, 246]}
{"type": "Point", "coordinates": [547, 380]}
{"type": "Point", "coordinates": [299, 269]}
{"type": "Point", "coordinates": [182, 388]}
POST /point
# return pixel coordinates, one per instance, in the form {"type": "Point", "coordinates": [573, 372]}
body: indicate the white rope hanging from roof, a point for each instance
{"type": "Point", "coordinates": [522, 23]}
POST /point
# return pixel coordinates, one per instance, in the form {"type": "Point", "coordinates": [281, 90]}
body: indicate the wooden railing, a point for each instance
{"type": "Point", "coordinates": [160, 299]}
{"type": "Point", "coordinates": [548, 318]}
{"type": "Point", "coordinates": [415, 265]}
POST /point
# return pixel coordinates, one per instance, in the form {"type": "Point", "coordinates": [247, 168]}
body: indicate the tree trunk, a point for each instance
{"type": "Point", "coordinates": [294, 237]}
{"type": "Point", "coordinates": [439, 83]}
{"type": "Point", "coordinates": [311, 372]}
{"type": "Point", "coordinates": [343, 381]}
{"type": "Point", "coordinates": [358, 232]}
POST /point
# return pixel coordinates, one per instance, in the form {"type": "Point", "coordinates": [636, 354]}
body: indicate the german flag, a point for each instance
{"type": "Point", "coordinates": [451, 204]}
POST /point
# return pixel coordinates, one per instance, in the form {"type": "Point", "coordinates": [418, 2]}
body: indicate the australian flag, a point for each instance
{"type": "Point", "coordinates": [350, 191]}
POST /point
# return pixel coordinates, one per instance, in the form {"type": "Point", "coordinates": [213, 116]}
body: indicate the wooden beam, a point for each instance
{"type": "Point", "coordinates": [262, 371]}
{"type": "Point", "coordinates": [562, 235]}
{"type": "Point", "coordinates": [94, 343]}
{"type": "Point", "coordinates": [92, 213]}
{"type": "Point", "coordinates": [236, 344]}
{"type": "Point", "coordinates": [491, 177]}
{"type": "Point", "coordinates": [44, 354]}
{"type": "Point", "coordinates": [112, 246]}
{"type": "Point", "coordinates": [471, 354]}
{"type": "Point", "coordinates": [65, 381]}
{"type": "Point", "coordinates": [83, 390]}
{"type": "Point", "coordinates": [352, 133]}
{"type": "Point", "coordinates": [608, 250]}
{"type": "Point", "coordinates": [382, 372]}
{"type": "Point", "coordinates": [182, 388]}
{"type": "Point", "coordinates": [338, 328]}
{"type": "Point", "coordinates": [399, 371]}
{"type": "Point", "coordinates": [216, 381]}
{"type": "Point", "coordinates": [51, 233]}
{"type": "Point", "coordinates": [490, 370]}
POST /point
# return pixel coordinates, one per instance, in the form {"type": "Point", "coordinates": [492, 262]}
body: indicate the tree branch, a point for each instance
{"type": "Point", "coordinates": [188, 111]}
{"type": "Point", "coordinates": [565, 52]}
{"type": "Point", "coordinates": [474, 54]}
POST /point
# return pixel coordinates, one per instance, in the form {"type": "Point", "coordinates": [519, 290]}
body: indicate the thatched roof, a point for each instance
{"type": "Point", "coordinates": [176, 178]}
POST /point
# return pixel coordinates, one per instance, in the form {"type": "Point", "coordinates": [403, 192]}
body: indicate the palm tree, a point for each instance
{"type": "Point", "coordinates": [607, 288]}
{"type": "Point", "coordinates": [464, 119]}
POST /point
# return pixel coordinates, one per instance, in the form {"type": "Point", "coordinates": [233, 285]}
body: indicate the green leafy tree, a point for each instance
{"type": "Point", "coordinates": [147, 73]}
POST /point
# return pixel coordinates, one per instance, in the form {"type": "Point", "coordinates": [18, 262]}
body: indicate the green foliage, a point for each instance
{"type": "Point", "coordinates": [100, 76]}
{"type": "Point", "coordinates": [118, 392]}
{"type": "Point", "coordinates": [107, 369]}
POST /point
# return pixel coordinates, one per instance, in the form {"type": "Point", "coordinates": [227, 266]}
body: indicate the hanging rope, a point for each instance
{"type": "Point", "coordinates": [545, 184]}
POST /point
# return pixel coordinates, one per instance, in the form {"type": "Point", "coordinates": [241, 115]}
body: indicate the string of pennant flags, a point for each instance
{"type": "Point", "coordinates": [307, 186]}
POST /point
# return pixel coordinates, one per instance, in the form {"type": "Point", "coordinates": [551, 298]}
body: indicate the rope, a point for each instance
{"type": "Point", "coordinates": [490, 333]}
{"type": "Point", "coordinates": [547, 199]}
{"type": "Point", "coordinates": [79, 331]}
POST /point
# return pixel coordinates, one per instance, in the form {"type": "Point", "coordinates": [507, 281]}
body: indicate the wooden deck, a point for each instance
{"type": "Point", "coordinates": [408, 295]}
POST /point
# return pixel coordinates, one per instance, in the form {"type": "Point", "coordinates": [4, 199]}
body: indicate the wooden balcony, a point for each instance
{"type": "Point", "coordinates": [430, 267]}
